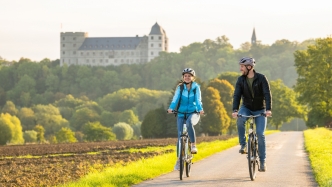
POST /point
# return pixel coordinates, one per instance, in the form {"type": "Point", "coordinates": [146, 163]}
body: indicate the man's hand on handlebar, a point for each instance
{"type": "Point", "coordinates": [234, 114]}
{"type": "Point", "coordinates": [268, 113]}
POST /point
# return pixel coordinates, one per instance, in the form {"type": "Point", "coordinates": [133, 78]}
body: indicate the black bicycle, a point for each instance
{"type": "Point", "coordinates": [252, 151]}
{"type": "Point", "coordinates": [184, 153]}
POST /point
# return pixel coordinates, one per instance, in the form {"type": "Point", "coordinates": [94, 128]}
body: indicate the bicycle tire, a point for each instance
{"type": "Point", "coordinates": [252, 157]}
{"type": "Point", "coordinates": [182, 156]}
{"type": "Point", "coordinates": [188, 162]}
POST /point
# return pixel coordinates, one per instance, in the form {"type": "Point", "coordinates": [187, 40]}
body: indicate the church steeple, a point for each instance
{"type": "Point", "coordinates": [253, 37]}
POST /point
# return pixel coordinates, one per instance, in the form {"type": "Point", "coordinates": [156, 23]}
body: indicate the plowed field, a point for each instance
{"type": "Point", "coordinates": [50, 165]}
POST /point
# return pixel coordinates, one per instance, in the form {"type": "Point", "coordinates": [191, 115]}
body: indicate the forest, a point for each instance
{"type": "Point", "coordinates": [43, 102]}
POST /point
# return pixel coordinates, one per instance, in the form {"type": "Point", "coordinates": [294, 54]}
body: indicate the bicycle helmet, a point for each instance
{"type": "Point", "coordinates": [247, 61]}
{"type": "Point", "coordinates": [190, 71]}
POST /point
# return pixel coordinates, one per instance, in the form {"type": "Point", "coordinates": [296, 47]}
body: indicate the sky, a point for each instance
{"type": "Point", "coordinates": [31, 28]}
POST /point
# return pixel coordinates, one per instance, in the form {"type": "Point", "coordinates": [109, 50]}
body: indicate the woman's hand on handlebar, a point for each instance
{"type": "Point", "coordinates": [170, 111]}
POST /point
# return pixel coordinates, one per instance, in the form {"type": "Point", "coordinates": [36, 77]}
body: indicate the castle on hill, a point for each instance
{"type": "Point", "coordinates": [76, 48]}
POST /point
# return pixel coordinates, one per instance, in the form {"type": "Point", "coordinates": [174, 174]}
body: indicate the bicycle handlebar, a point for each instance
{"type": "Point", "coordinates": [175, 112]}
{"type": "Point", "coordinates": [251, 116]}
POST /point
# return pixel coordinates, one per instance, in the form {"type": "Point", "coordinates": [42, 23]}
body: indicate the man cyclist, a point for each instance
{"type": "Point", "coordinates": [254, 89]}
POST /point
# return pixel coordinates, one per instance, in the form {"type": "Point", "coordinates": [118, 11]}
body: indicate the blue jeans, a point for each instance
{"type": "Point", "coordinates": [190, 129]}
{"type": "Point", "coordinates": [260, 130]}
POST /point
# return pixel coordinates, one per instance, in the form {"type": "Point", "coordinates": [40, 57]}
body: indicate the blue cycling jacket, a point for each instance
{"type": "Point", "coordinates": [188, 103]}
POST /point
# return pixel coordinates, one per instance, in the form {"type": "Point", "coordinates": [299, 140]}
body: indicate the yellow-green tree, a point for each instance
{"type": "Point", "coordinates": [40, 133]}
{"type": "Point", "coordinates": [50, 118]}
{"type": "Point", "coordinates": [314, 82]}
{"type": "Point", "coordinates": [9, 108]}
{"type": "Point", "coordinates": [11, 130]}
{"type": "Point", "coordinates": [217, 120]}
{"type": "Point", "coordinates": [27, 117]}
{"type": "Point", "coordinates": [65, 135]}
{"type": "Point", "coordinates": [285, 106]}
{"type": "Point", "coordinates": [30, 136]}
{"type": "Point", "coordinates": [123, 131]}
{"type": "Point", "coordinates": [94, 131]}
{"type": "Point", "coordinates": [226, 91]}
{"type": "Point", "coordinates": [129, 117]}
{"type": "Point", "coordinates": [83, 116]}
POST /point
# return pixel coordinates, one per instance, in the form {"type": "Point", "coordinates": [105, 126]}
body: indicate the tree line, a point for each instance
{"type": "Point", "coordinates": [80, 100]}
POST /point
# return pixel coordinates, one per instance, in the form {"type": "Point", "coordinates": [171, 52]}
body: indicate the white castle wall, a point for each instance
{"type": "Point", "coordinates": [73, 53]}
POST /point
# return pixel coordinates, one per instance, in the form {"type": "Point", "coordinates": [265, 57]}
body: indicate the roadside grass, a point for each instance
{"type": "Point", "coordinates": [144, 169]}
{"type": "Point", "coordinates": [318, 143]}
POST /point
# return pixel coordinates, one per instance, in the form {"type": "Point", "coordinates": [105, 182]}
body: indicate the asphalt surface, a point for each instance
{"type": "Point", "coordinates": [287, 165]}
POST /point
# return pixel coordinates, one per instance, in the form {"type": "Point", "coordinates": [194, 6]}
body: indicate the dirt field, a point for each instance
{"type": "Point", "coordinates": [49, 165]}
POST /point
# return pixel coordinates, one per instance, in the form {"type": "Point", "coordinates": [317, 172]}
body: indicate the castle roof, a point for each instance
{"type": "Point", "coordinates": [157, 30]}
{"type": "Point", "coordinates": [111, 43]}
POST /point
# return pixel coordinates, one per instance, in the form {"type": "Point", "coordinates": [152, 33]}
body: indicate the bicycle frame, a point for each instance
{"type": "Point", "coordinates": [184, 153]}
{"type": "Point", "coordinates": [252, 151]}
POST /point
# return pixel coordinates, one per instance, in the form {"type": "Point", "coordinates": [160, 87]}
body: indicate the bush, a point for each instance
{"type": "Point", "coordinates": [123, 131]}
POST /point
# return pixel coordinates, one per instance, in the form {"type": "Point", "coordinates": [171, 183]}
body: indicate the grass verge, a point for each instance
{"type": "Point", "coordinates": [318, 143]}
{"type": "Point", "coordinates": [136, 172]}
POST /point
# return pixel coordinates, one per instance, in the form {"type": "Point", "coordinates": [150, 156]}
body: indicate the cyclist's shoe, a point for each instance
{"type": "Point", "coordinates": [262, 166]}
{"type": "Point", "coordinates": [177, 165]}
{"type": "Point", "coordinates": [243, 149]}
{"type": "Point", "coordinates": [193, 149]}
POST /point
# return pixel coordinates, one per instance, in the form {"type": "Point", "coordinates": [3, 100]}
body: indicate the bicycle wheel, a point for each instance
{"type": "Point", "coordinates": [252, 157]}
{"type": "Point", "coordinates": [189, 158]}
{"type": "Point", "coordinates": [182, 157]}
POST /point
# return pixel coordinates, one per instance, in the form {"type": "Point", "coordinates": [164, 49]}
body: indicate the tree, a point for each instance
{"type": "Point", "coordinates": [137, 130]}
{"type": "Point", "coordinates": [226, 91]}
{"type": "Point", "coordinates": [30, 136]}
{"type": "Point", "coordinates": [108, 119]}
{"type": "Point", "coordinates": [285, 105]}
{"type": "Point", "coordinates": [6, 131]}
{"type": "Point", "coordinates": [129, 117]}
{"type": "Point", "coordinates": [40, 133]}
{"type": "Point", "coordinates": [231, 77]}
{"type": "Point", "coordinates": [50, 118]}
{"type": "Point", "coordinates": [65, 135]}
{"type": "Point", "coordinates": [27, 117]}
{"type": "Point", "coordinates": [218, 120]}
{"type": "Point", "coordinates": [123, 131]}
{"type": "Point", "coordinates": [11, 129]}
{"type": "Point", "coordinates": [153, 124]}
{"type": "Point", "coordinates": [94, 131]}
{"type": "Point", "coordinates": [83, 116]}
{"type": "Point", "coordinates": [9, 108]}
{"type": "Point", "coordinates": [314, 82]}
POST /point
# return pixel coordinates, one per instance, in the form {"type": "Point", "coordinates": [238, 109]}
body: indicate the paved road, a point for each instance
{"type": "Point", "coordinates": [287, 165]}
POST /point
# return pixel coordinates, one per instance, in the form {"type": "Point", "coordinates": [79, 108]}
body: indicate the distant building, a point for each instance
{"type": "Point", "coordinates": [76, 48]}
{"type": "Point", "coordinates": [253, 38]}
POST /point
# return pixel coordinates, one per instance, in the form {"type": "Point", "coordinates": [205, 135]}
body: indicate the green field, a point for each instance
{"type": "Point", "coordinates": [318, 143]}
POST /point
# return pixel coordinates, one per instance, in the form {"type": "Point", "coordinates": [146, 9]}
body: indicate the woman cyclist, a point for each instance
{"type": "Point", "coordinates": [189, 101]}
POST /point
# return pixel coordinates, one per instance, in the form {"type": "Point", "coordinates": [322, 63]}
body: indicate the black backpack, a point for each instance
{"type": "Point", "coordinates": [181, 90]}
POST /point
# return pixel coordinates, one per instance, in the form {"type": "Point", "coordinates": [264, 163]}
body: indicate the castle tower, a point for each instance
{"type": "Point", "coordinates": [253, 38]}
{"type": "Point", "coordinates": [70, 42]}
{"type": "Point", "coordinates": [157, 41]}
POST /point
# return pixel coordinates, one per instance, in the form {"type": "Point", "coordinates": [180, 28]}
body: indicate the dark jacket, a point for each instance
{"type": "Point", "coordinates": [262, 94]}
